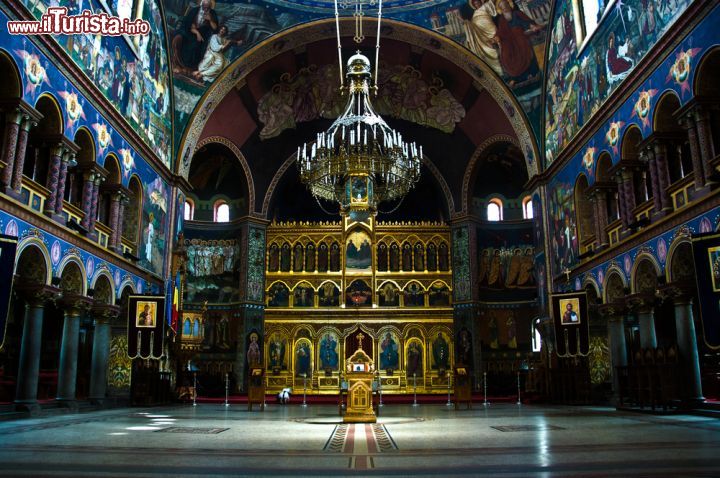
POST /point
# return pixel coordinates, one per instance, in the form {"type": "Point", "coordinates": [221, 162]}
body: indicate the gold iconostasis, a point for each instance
{"type": "Point", "coordinates": [329, 283]}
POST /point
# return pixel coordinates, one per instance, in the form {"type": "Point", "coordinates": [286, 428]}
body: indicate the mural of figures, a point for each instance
{"type": "Point", "coordinates": [276, 352]}
{"type": "Point", "coordinates": [253, 350]}
{"type": "Point", "coordinates": [335, 257]}
{"type": "Point", "coordinates": [298, 253]}
{"type": "Point", "coordinates": [328, 295]}
{"type": "Point", "coordinates": [303, 295]}
{"type": "Point", "coordinates": [564, 243]}
{"type": "Point", "coordinates": [358, 294]}
{"type": "Point", "coordinates": [358, 253]}
{"type": "Point", "coordinates": [440, 352]}
{"type": "Point", "coordinates": [303, 358]}
{"type": "Point", "coordinates": [414, 295]}
{"type": "Point", "coordinates": [439, 295]}
{"type": "Point", "coordinates": [213, 271]}
{"type": "Point", "coordinates": [328, 350]}
{"type": "Point", "coordinates": [511, 332]}
{"type": "Point", "coordinates": [389, 295]}
{"type": "Point", "coordinates": [311, 93]}
{"type": "Point", "coordinates": [278, 295]}
{"type": "Point", "coordinates": [414, 358]}
{"type": "Point", "coordinates": [222, 334]}
{"type": "Point", "coordinates": [464, 348]}
{"type": "Point", "coordinates": [322, 259]}
{"type": "Point", "coordinates": [274, 258]}
{"type": "Point", "coordinates": [578, 84]}
{"type": "Point", "coordinates": [389, 356]}
{"type": "Point", "coordinates": [131, 72]}
{"type": "Point", "coordinates": [493, 328]}
{"type": "Point", "coordinates": [153, 238]}
{"type": "Point", "coordinates": [285, 258]}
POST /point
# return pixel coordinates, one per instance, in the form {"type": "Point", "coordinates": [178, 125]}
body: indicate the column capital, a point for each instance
{"type": "Point", "coordinates": [104, 313]}
{"type": "Point", "coordinates": [20, 107]}
{"type": "Point", "coordinates": [74, 304]}
{"type": "Point", "coordinates": [680, 292]}
{"type": "Point", "coordinates": [36, 295]}
{"type": "Point", "coordinates": [640, 302]}
{"type": "Point", "coordinates": [613, 311]}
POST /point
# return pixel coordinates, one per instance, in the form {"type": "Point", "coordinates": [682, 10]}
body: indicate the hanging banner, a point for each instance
{"type": "Point", "coordinates": [146, 326]}
{"type": "Point", "coordinates": [706, 252]}
{"type": "Point", "coordinates": [8, 246]}
{"type": "Point", "coordinates": [572, 331]}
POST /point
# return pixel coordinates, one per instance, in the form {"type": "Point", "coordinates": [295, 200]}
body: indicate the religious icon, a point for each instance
{"type": "Point", "coordinates": [302, 359]}
{"type": "Point", "coordinates": [253, 353]}
{"type": "Point", "coordinates": [413, 361]}
{"type": "Point", "coordinates": [441, 353]}
{"type": "Point", "coordinates": [570, 310]}
{"type": "Point", "coordinates": [714, 260]}
{"type": "Point", "coordinates": [329, 352]}
{"type": "Point", "coordinates": [389, 358]}
{"type": "Point", "coordinates": [147, 315]}
{"type": "Point", "coordinates": [388, 295]}
{"type": "Point", "coordinates": [358, 295]}
{"type": "Point", "coordinates": [358, 253]}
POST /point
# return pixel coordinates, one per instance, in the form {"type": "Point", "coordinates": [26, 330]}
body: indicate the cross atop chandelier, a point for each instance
{"type": "Point", "coordinates": [359, 161]}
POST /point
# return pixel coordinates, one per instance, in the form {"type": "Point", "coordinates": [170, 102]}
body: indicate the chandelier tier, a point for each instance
{"type": "Point", "coordinates": [359, 161]}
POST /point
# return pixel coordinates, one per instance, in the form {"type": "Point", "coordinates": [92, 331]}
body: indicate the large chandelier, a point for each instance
{"type": "Point", "coordinates": [359, 161]}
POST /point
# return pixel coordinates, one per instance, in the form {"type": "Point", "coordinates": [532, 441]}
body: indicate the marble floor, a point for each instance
{"type": "Point", "coordinates": [430, 440]}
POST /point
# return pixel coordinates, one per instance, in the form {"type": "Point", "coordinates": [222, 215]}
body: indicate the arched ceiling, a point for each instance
{"type": "Point", "coordinates": [509, 35]}
{"type": "Point", "coordinates": [280, 96]}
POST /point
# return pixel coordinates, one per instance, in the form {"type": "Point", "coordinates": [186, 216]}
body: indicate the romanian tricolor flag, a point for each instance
{"type": "Point", "coordinates": [173, 303]}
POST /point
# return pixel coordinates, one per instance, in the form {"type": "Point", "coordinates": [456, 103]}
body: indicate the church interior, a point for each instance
{"type": "Point", "coordinates": [399, 237]}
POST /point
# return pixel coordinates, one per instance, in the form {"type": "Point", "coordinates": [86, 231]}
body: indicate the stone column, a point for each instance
{"type": "Point", "coordinates": [663, 175]}
{"type": "Point", "coordinates": [687, 342]}
{"type": "Point", "coordinates": [101, 350]}
{"type": "Point", "coordinates": [61, 185]}
{"type": "Point", "coordinates": [88, 185]}
{"type": "Point", "coordinates": [120, 224]}
{"type": "Point", "coordinates": [114, 210]}
{"type": "Point", "coordinates": [601, 199]}
{"type": "Point", "coordinates": [648, 156]}
{"type": "Point", "coordinates": [74, 305]}
{"type": "Point", "coordinates": [56, 154]}
{"type": "Point", "coordinates": [626, 194]}
{"type": "Point", "coordinates": [12, 129]}
{"type": "Point", "coordinates": [94, 205]}
{"type": "Point", "coordinates": [688, 123]}
{"type": "Point", "coordinates": [616, 337]}
{"type": "Point", "coordinates": [644, 305]}
{"type": "Point", "coordinates": [23, 136]}
{"type": "Point", "coordinates": [705, 145]}
{"type": "Point", "coordinates": [30, 348]}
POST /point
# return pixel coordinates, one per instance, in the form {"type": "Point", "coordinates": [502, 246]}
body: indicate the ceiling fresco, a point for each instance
{"type": "Point", "coordinates": [508, 35]}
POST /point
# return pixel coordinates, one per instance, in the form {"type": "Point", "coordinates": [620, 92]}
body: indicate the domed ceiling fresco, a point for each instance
{"type": "Point", "coordinates": [508, 35]}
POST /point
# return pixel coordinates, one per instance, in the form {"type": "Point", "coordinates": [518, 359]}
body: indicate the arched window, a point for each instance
{"type": "Point", "coordinates": [527, 208]}
{"type": "Point", "coordinates": [189, 212]}
{"type": "Point", "coordinates": [495, 210]}
{"type": "Point", "coordinates": [222, 211]}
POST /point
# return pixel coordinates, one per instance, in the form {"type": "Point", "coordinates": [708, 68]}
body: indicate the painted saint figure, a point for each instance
{"type": "Point", "coordinates": [302, 360]}
{"type": "Point", "coordinates": [328, 352]}
{"type": "Point", "coordinates": [389, 358]}
{"type": "Point", "coordinates": [441, 352]}
{"type": "Point", "coordinates": [414, 360]}
{"type": "Point", "coordinates": [618, 63]}
{"type": "Point", "coordinates": [253, 353]}
{"type": "Point", "coordinates": [214, 60]}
